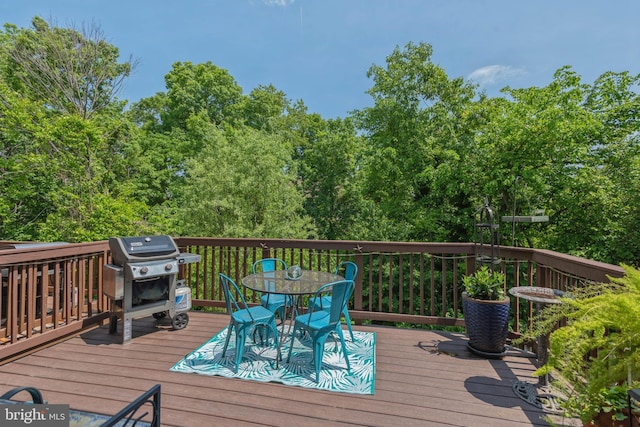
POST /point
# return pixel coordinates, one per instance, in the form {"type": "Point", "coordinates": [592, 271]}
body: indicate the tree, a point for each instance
{"type": "Point", "coordinates": [329, 170]}
{"type": "Point", "coordinates": [571, 148]}
{"type": "Point", "coordinates": [416, 131]}
{"type": "Point", "coordinates": [25, 178]}
{"type": "Point", "coordinates": [59, 152]}
{"type": "Point", "coordinates": [614, 100]}
{"type": "Point", "coordinates": [264, 106]}
{"type": "Point", "coordinates": [531, 146]}
{"type": "Point", "coordinates": [242, 184]}
{"type": "Point", "coordinates": [69, 70]}
{"type": "Point", "coordinates": [195, 88]}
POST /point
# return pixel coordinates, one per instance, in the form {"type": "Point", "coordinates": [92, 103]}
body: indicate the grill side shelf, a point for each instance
{"type": "Point", "coordinates": [113, 281]}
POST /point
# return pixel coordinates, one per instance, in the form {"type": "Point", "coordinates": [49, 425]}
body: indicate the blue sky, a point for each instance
{"type": "Point", "coordinates": [320, 50]}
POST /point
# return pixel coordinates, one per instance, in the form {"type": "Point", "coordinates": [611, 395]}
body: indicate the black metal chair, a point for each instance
{"type": "Point", "coordinates": [633, 395]}
{"type": "Point", "coordinates": [132, 414]}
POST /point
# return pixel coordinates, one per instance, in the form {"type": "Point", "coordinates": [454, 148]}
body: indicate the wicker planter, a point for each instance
{"type": "Point", "coordinates": [487, 324]}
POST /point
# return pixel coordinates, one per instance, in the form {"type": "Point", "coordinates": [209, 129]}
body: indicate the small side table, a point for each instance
{"type": "Point", "coordinates": [540, 395]}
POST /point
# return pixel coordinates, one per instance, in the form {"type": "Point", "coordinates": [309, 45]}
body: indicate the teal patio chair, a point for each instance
{"type": "Point", "coordinates": [349, 271]}
{"type": "Point", "coordinates": [276, 303]}
{"type": "Point", "coordinates": [244, 319]}
{"type": "Point", "coordinates": [319, 324]}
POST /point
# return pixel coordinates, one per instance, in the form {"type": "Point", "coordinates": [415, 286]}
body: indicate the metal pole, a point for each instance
{"type": "Point", "coordinates": [513, 215]}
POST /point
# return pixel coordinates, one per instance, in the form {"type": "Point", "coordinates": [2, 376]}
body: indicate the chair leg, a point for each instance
{"type": "Point", "coordinates": [274, 329]}
{"type": "Point", "coordinates": [241, 335]}
{"type": "Point", "coordinates": [226, 342]}
{"type": "Point", "coordinates": [344, 349]}
{"type": "Point", "coordinates": [293, 337]}
{"type": "Point", "coordinates": [318, 352]}
{"type": "Point", "coordinates": [347, 320]}
{"type": "Point", "coordinates": [259, 328]}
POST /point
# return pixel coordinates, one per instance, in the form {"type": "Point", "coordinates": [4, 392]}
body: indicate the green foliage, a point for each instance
{"type": "Point", "coordinates": [108, 217]}
{"type": "Point", "coordinates": [71, 71]}
{"type": "Point", "coordinates": [566, 142]}
{"type": "Point", "coordinates": [412, 167]}
{"type": "Point", "coordinates": [417, 133]}
{"type": "Point", "coordinates": [609, 400]}
{"type": "Point", "coordinates": [263, 107]}
{"type": "Point", "coordinates": [599, 347]}
{"type": "Point", "coordinates": [485, 284]}
{"type": "Point", "coordinates": [330, 178]}
{"type": "Point", "coordinates": [195, 88]}
{"type": "Point", "coordinates": [242, 184]}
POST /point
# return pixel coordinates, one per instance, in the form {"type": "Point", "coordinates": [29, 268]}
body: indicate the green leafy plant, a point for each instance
{"type": "Point", "coordinates": [597, 351]}
{"type": "Point", "coordinates": [614, 401]}
{"type": "Point", "coordinates": [484, 284]}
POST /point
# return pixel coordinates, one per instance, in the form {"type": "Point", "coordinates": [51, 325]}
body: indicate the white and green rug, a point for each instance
{"type": "Point", "coordinates": [258, 363]}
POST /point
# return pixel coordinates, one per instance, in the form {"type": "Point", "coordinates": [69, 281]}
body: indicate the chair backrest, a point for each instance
{"type": "Point", "coordinates": [348, 270]}
{"type": "Point", "coordinates": [230, 288]}
{"type": "Point", "coordinates": [340, 293]}
{"type": "Point", "coordinates": [268, 264]}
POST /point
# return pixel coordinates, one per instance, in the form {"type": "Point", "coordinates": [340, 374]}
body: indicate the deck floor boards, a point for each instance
{"type": "Point", "coordinates": [423, 378]}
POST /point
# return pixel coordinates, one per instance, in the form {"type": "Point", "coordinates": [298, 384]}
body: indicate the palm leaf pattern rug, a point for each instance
{"type": "Point", "coordinates": [258, 362]}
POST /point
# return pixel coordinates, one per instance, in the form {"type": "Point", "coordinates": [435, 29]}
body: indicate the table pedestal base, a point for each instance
{"type": "Point", "coordinates": [539, 396]}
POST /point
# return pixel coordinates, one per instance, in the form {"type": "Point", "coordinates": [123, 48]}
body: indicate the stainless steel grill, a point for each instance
{"type": "Point", "coordinates": [142, 281]}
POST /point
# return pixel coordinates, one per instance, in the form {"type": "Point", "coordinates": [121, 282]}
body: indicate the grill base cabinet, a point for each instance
{"type": "Point", "coordinates": [142, 281]}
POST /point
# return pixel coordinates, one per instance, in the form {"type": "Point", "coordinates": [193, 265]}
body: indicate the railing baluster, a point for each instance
{"type": "Point", "coordinates": [421, 283]}
{"type": "Point", "coordinates": [432, 297]}
{"type": "Point", "coordinates": [443, 285]}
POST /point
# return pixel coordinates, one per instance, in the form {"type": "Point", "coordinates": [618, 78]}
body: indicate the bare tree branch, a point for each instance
{"type": "Point", "coordinates": [71, 70]}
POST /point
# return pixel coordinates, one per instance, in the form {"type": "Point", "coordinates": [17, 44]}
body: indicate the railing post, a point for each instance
{"type": "Point", "coordinates": [265, 253]}
{"type": "Point", "coordinates": [542, 276]}
{"type": "Point", "coordinates": [470, 266]}
{"type": "Point", "coordinates": [357, 292]}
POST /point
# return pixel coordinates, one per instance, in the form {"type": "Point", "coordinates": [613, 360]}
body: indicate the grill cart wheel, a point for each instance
{"type": "Point", "coordinates": [160, 315]}
{"type": "Point", "coordinates": [180, 321]}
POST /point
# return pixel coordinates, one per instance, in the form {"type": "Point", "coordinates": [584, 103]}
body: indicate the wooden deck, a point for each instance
{"type": "Point", "coordinates": [423, 378]}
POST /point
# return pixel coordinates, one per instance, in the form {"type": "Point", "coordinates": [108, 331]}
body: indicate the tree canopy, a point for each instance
{"type": "Point", "coordinates": [205, 158]}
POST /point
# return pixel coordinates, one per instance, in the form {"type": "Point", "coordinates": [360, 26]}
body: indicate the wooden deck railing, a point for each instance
{"type": "Point", "coordinates": [49, 292]}
{"type": "Point", "coordinates": [397, 283]}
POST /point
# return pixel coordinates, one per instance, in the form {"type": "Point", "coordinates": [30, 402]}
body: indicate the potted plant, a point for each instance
{"type": "Point", "coordinates": [486, 312]}
{"type": "Point", "coordinates": [611, 409]}
{"type": "Point", "coordinates": [595, 355]}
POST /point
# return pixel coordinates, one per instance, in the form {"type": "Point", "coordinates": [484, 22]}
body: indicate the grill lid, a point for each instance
{"type": "Point", "coordinates": [142, 248]}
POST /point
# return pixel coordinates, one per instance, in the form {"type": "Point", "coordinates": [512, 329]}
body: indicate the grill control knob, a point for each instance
{"type": "Point", "coordinates": [144, 270]}
{"type": "Point", "coordinates": [168, 267]}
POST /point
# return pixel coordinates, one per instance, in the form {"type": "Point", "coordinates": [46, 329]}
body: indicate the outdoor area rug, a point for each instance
{"type": "Point", "coordinates": [258, 363]}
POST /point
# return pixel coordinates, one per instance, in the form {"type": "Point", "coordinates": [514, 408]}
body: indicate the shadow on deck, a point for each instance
{"type": "Point", "coordinates": [423, 378]}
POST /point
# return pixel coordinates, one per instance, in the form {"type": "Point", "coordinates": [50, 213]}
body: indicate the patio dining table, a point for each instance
{"type": "Point", "coordinates": [279, 282]}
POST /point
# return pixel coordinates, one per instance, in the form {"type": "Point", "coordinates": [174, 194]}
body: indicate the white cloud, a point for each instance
{"type": "Point", "coordinates": [282, 3]}
{"type": "Point", "coordinates": [495, 73]}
